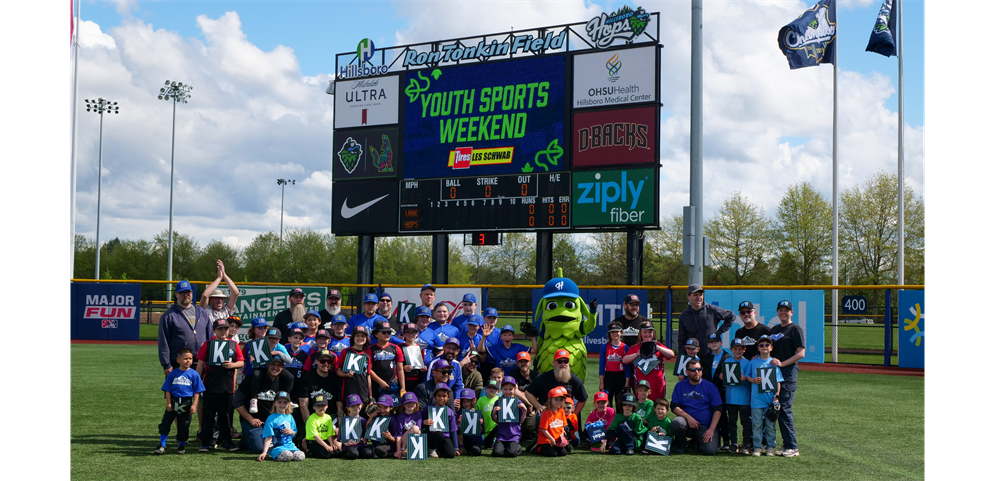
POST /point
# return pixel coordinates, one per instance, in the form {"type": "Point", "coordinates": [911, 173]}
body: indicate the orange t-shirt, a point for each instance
{"type": "Point", "coordinates": [554, 422]}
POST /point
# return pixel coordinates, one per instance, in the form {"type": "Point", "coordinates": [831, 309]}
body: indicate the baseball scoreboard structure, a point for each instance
{"type": "Point", "coordinates": [550, 129]}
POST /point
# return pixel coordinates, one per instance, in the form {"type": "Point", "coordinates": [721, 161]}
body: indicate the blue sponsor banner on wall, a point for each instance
{"type": "Point", "coordinates": [107, 312]}
{"type": "Point", "coordinates": [809, 313]}
{"type": "Point", "coordinates": [609, 307]}
{"type": "Point", "coordinates": [912, 329]}
{"type": "Point", "coordinates": [486, 119]}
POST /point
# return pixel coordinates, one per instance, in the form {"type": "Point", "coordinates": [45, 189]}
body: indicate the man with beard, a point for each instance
{"type": "Point", "coordinates": [386, 310]}
{"type": "Point", "coordinates": [218, 304]}
{"type": "Point", "coordinates": [700, 319]}
{"type": "Point", "coordinates": [538, 390]}
{"type": "Point", "coordinates": [183, 325]}
{"type": "Point", "coordinates": [295, 313]}
{"type": "Point", "coordinates": [333, 307]}
{"type": "Point", "coordinates": [449, 351]}
{"type": "Point", "coordinates": [322, 380]}
{"type": "Point", "coordinates": [698, 407]}
{"type": "Point", "coordinates": [425, 391]}
{"type": "Point", "coordinates": [261, 386]}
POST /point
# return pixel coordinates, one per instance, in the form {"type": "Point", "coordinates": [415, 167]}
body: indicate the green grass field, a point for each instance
{"type": "Point", "coordinates": [850, 426]}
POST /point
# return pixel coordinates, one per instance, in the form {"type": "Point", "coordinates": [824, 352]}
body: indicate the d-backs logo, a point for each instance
{"type": "Point", "coordinates": [350, 154]}
{"type": "Point", "coordinates": [617, 134]}
{"type": "Point", "coordinates": [625, 23]}
{"type": "Point", "coordinates": [613, 65]}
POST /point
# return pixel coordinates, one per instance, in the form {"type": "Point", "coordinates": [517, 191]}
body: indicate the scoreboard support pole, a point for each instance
{"type": "Point", "coordinates": [634, 240]}
{"type": "Point", "coordinates": [440, 258]}
{"type": "Point", "coordinates": [544, 257]}
{"type": "Point", "coordinates": [364, 272]}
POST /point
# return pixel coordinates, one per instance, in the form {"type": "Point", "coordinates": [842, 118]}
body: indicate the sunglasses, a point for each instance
{"type": "Point", "coordinates": [562, 361]}
{"type": "Point", "coordinates": [743, 313]}
{"type": "Point", "coordinates": [325, 361]}
{"type": "Point", "coordinates": [763, 345]}
{"type": "Point", "coordinates": [693, 369]}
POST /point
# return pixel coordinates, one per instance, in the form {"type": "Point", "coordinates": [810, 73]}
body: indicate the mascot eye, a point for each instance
{"type": "Point", "coordinates": [551, 306]}
{"type": "Point", "coordinates": [569, 305]}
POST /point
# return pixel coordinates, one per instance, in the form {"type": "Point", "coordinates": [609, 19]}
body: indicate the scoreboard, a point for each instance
{"type": "Point", "coordinates": [499, 202]}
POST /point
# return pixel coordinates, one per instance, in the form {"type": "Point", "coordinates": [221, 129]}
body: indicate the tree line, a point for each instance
{"type": "Point", "coordinates": [793, 247]}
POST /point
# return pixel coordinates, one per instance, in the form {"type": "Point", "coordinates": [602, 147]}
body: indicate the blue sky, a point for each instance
{"type": "Point", "coordinates": [259, 109]}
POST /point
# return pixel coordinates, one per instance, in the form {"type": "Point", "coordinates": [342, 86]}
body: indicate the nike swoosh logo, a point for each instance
{"type": "Point", "coordinates": [349, 212]}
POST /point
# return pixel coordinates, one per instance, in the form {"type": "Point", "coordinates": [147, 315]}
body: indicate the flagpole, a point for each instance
{"type": "Point", "coordinates": [72, 162]}
{"type": "Point", "coordinates": [836, 211]}
{"type": "Point", "coordinates": [901, 152]}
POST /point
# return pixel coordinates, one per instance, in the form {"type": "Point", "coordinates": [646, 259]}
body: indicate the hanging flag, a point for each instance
{"type": "Point", "coordinates": [885, 30]}
{"type": "Point", "coordinates": [811, 38]}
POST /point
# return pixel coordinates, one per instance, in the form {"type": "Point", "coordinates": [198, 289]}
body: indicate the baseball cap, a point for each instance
{"type": "Point", "coordinates": [508, 380]}
{"type": "Point", "coordinates": [441, 364]}
{"type": "Point", "coordinates": [352, 400]}
{"type": "Point", "coordinates": [468, 297]}
{"type": "Point", "coordinates": [428, 286]}
{"type": "Point", "coordinates": [558, 391]}
{"type": "Point", "coordinates": [312, 312]}
{"type": "Point", "coordinates": [183, 286]}
{"type": "Point", "coordinates": [786, 304]}
{"type": "Point", "coordinates": [475, 320]}
{"type": "Point", "coordinates": [371, 297]}
{"type": "Point", "coordinates": [440, 386]}
{"type": "Point", "coordinates": [630, 400]}
{"type": "Point", "coordinates": [490, 312]}
{"type": "Point", "coordinates": [333, 294]}
{"type": "Point", "coordinates": [714, 337]}
{"type": "Point", "coordinates": [381, 326]}
{"type": "Point", "coordinates": [320, 400]}
{"type": "Point", "coordinates": [326, 353]}
{"type": "Point", "coordinates": [297, 291]}
{"type": "Point", "coordinates": [220, 323]}
{"type": "Point", "coordinates": [452, 340]}
{"type": "Point", "coordinates": [560, 287]}
{"type": "Point", "coordinates": [322, 333]}
{"type": "Point", "coordinates": [491, 383]}
{"type": "Point", "coordinates": [647, 325]}
{"type": "Point", "coordinates": [643, 383]}
{"type": "Point", "coordinates": [386, 400]}
{"type": "Point", "coordinates": [765, 338]}
{"type": "Point", "coordinates": [693, 342]}
{"type": "Point", "coordinates": [409, 397]}
{"type": "Point", "coordinates": [569, 400]}
{"type": "Point", "coordinates": [359, 330]}
{"type": "Point", "coordinates": [745, 305]}
{"type": "Point", "coordinates": [468, 393]}
{"type": "Point", "coordinates": [560, 354]}
{"type": "Point", "coordinates": [423, 311]}
{"type": "Point", "coordinates": [276, 359]}
{"type": "Point", "coordinates": [614, 326]}
{"type": "Point", "coordinates": [738, 342]}
{"type": "Point", "coordinates": [409, 327]}
{"type": "Point", "coordinates": [387, 295]}
{"type": "Point", "coordinates": [523, 355]}
{"type": "Point", "coordinates": [282, 395]}
{"type": "Point", "coordinates": [338, 319]}
{"type": "Point", "coordinates": [218, 293]}
{"type": "Point", "coordinates": [695, 288]}
{"type": "Point", "coordinates": [297, 325]}
{"type": "Point", "coordinates": [600, 396]}
{"type": "Point", "coordinates": [274, 332]}
{"type": "Point", "coordinates": [296, 331]}
{"type": "Point", "coordinates": [507, 327]}
{"type": "Point", "coordinates": [631, 298]}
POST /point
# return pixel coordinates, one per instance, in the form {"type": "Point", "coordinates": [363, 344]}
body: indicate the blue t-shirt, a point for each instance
{"type": "Point", "coordinates": [429, 341]}
{"type": "Point", "coordinates": [361, 320]}
{"type": "Point", "coordinates": [248, 365]}
{"type": "Point", "coordinates": [183, 383]}
{"type": "Point", "coordinates": [273, 427]}
{"type": "Point", "coordinates": [505, 358]}
{"type": "Point", "coordinates": [460, 320]}
{"type": "Point", "coordinates": [696, 400]}
{"type": "Point", "coordinates": [758, 399]}
{"type": "Point", "coordinates": [715, 362]}
{"type": "Point", "coordinates": [738, 395]}
{"type": "Point", "coordinates": [443, 332]}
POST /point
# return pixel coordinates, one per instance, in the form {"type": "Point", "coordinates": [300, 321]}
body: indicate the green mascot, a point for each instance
{"type": "Point", "coordinates": [563, 319]}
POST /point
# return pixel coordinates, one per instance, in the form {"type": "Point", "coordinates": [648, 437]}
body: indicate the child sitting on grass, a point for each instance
{"type": "Point", "coordinates": [321, 442]}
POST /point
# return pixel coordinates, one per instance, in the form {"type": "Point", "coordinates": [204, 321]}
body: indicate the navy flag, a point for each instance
{"type": "Point", "coordinates": [885, 30]}
{"type": "Point", "coordinates": [811, 38]}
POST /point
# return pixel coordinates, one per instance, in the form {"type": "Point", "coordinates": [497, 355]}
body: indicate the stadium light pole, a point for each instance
{"type": "Point", "coordinates": [176, 92]}
{"type": "Point", "coordinates": [100, 106]}
{"type": "Point", "coordinates": [283, 189]}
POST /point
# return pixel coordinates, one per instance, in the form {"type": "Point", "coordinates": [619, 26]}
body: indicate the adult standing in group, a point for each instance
{"type": "Point", "coordinates": [333, 307]}
{"type": "Point", "coordinates": [751, 330]}
{"type": "Point", "coordinates": [630, 320]}
{"type": "Point", "coordinates": [386, 310]}
{"type": "Point", "coordinates": [427, 296]}
{"type": "Point", "coordinates": [183, 325]}
{"type": "Point", "coordinates": [367, 317]}
{"type": "Point", "coordinates": [789, 348]}
{"type": "Point", "coordinates": [538, 391]}
{"type": "Point", "coordinates": [294, 313]}
{"type": "Point", "coordinates": [218, 304]}
{"type": "Point", "coordinates": [700, 319]}
{"type": "Point", "coordinates": [698, 408]}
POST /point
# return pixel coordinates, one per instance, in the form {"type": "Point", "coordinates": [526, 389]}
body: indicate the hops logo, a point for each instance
{"type": "Point", "coordinates": [349, 154]}
{"type": "Point", "coordinates": [624, 23]}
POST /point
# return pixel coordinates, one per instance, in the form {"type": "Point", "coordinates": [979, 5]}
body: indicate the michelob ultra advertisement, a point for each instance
{"type": "Point", "coordinates": [614, 197]}
{"type": "Point", "coordinates": [483, 119]}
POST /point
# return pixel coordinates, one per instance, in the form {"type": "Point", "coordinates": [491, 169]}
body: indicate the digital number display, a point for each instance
{"type": "Point", "coordinates": [520, 202]}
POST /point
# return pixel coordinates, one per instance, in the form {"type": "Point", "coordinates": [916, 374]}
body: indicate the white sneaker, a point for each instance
{"type": "Point", "coordinates": [790, 453]}
{"type": "Point", "coordinates": [756, 454]}
{"type": "Point", "coordinates": [779, 451]}
{"type": "Point", "coordinates": [432, 453]}
{"type": "Point", "coordinates": [771, 452]}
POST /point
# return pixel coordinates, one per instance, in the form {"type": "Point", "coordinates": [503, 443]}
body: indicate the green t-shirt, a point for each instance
{"type": "Point", "coordinates": [319, 427]}
{"type": "Point", "coordinates": [486, 405]}
{"type": "Point", "coordinates": [663, 424]}
{"type": "Point", "coordinates": [635, 422]}
{"type": "Point", "coordinates": [645, 409]}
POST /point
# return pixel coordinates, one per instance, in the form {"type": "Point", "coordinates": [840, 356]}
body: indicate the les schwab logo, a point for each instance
{"type": "Point", "coordinates": [466, 157]}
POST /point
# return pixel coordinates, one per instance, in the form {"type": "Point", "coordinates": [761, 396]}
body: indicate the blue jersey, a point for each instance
{"type": "Point", "coordinates": [505, 358]}
{"type": "Point", "coordinates": [273, 427]}
{"type": "Point", "coordinates": [443, 332]}
{"type": "Point", "coordinates": [183, 383]}
{"type": "Point", "coordinates": [361, 320]}
{"type": "Point", "coordinates": [338, 345]}
{"type": "Point", "coordinates": [759, 399]}
{"type": "Point", "coordinates": [460, 320]}
{"type": "Point", "coordinates": [467, 344]}
{"type": "Point", "coordinates": [429, 342]}
{"type": "Point", "coordinates": [738, 395]}
{"type": "Point", "coordinates": [455, 381]}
